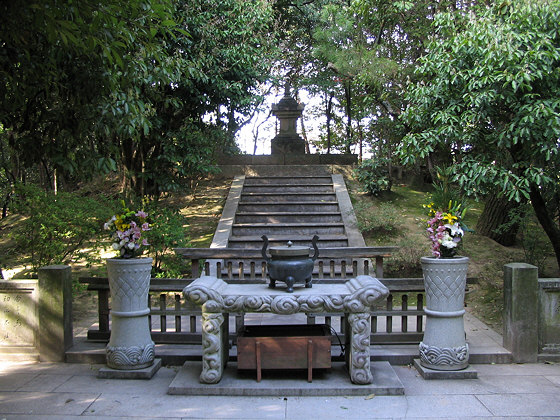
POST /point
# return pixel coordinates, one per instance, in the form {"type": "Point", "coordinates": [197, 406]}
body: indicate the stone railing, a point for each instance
{"type": "Point", "coordinates": [35, 315]}
{"type": "Point", "coordinates": [399, 319]}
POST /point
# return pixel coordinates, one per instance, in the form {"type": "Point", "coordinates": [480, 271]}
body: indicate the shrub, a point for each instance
{"type": "Point", "coordinates": [406, 261]}
{"type": "Point", "coordinates": [168, 232]}
{"type": "Point", "coordinates": [373, 176]}
{"type": "Point", "coordinates": [57, 228]}
{"type": "Point", "coordinates": [382, 220]}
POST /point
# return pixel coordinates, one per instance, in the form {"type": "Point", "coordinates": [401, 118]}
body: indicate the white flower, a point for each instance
{"type": "Point", "coordinates": [448, 241]}
{"type": "Point", "coordinates": [116, 246]}
{"type": "Point", "coordinates": [131, 245]}
{"type": "Point", "coordinates": [106, 226]}
{"type": "Point", "coordinates": [455, 229]}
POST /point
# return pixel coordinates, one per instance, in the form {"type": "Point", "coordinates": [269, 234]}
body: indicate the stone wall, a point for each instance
{"type": "Point", "coordinates": [288, 159]}
{"type": "Point", "coordinates": [531, 314]}
{"type": "Point", "coordinates": [36, 316]}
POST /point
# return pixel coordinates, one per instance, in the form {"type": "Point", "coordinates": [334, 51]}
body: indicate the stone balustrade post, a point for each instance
{"type": "Point", "coordinates": [55, 334]}
{"type": "Point", "coordinates": [521, 311]}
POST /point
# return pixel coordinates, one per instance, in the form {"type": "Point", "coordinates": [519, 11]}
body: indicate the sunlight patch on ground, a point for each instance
{"type": "Point", "coordinates": [13, 272]}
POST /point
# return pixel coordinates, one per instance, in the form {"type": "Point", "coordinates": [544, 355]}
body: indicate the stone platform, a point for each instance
{"type": "Point", "coordinates": [327, 382]}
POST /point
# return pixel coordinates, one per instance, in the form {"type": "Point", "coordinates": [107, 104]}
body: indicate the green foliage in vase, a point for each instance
{"type": "Point", "coordinates": [445, 191]}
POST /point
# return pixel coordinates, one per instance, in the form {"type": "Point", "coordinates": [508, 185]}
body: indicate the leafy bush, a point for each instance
{"type": "Point", "coordinates": [406, 261]}
{"type": "Point", "coordinates": [373, 176]}
{"type": "Point", "coordinates": [168, 232]}
{"type": "Point", "coordinates": [57, 228]}
{"type": "Point", "coordinates": [380, 220]}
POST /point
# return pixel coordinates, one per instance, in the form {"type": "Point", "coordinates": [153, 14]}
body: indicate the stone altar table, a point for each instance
{"type": "Point", "coordinates": [356, 298]}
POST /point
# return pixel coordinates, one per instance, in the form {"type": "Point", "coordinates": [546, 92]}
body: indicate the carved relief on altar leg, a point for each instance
{"type": "Point", "coordinates": [359, 357]}
{"type": "Point", "coordinates": [212, 353]}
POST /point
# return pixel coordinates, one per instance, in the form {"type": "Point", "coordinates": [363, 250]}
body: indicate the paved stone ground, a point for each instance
{"type": "Point", "coordinates": [65, 391]}
{"type": "Point", "coordinates": [70, 391]}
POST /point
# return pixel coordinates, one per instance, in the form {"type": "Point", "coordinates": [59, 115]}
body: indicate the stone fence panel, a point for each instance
{"type": "Point", "coordinates": [36, 316]}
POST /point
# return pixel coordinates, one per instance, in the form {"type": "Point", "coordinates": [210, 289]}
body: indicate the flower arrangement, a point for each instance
{"type": "Point", "coordinates": [445, 229]}
{"type": "Point", "coordinates": [127, 230]}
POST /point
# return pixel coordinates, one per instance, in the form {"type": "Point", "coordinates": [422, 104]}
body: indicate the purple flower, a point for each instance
{"type": "Point", "coordinates": [142, 214]}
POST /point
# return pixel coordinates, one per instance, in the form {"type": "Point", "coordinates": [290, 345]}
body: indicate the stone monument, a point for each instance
{"type": "Point", "coordinates": [287, 141]}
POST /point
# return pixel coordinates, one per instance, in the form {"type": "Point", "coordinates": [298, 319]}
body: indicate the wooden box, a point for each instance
{"type": "Point", "coordinates": [263, 347]}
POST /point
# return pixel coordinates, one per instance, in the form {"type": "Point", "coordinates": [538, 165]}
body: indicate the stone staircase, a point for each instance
{"type": "Point", "coordinates": [286, 208]}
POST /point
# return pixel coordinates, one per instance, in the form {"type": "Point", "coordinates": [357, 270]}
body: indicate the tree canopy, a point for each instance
{"type": "Point", "coordinates": [151, 86]}
{"type": "Point", "coordinates": [489, 96]}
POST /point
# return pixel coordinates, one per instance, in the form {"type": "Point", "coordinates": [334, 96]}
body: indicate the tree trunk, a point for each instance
{"type": "Point", "coordinates": [547, 222]}
{"type": "Point", "coordinates": [348, 95]}
{"type": "Point", "coordinates": [496, 214]}
{"type": "Point", "coordinates": [329, 118]}
{"type": "Point", "coordinates": [361, 141]}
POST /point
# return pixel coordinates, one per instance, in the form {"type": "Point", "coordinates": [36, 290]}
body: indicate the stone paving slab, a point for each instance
{"type": "Point", "coordinates": [356, 408]}
{"type": "Point", "coordinates": [81, 383]}
{"type": "Point", "coordinates": [445, 406]}
{"type": "Point", "coordinates": [32, 403]}
{"type": "Point", "coordinates": [489, 381]}
{"type": "Point", "coordinates": [335, 381]}
{"type": "Point", "coordinates": [157, 405]}
{"type": "Point", "coordinates": [69, 417]}
{"type": "Point", "coordinates": [514, 392]}
{"type": "Point", "coordinates": [529, 405]}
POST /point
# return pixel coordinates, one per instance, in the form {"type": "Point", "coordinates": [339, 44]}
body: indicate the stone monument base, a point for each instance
{"type": "Point", "coordinates": [326, 382]}
{"type": "Point", "coordinates": [467, 373]}
{"type": "Point", "coordinates": [145, 373]}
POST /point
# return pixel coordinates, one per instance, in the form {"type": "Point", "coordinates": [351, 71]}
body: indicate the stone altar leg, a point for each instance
{"type": "Point", "coordinates": [214, 347]}
{"type": "Point", "coordinates": [357, 348]}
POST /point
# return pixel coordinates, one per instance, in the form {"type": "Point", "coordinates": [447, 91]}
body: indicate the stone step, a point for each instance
{"type": "Point", "coordinates": [292, 180]}
{"type": "Point", "coordinates": [288, 217]}
{"type": "Point", "coordinates": [252, 229]}
{"type": "Point", "coordinates": [291, 197]}
{"type": "Point", "coordinates": [289, 188]}
{"type": "Point", "coordinates": [288, 206]}
{"type": "Point", "coordinates": [256, 242]}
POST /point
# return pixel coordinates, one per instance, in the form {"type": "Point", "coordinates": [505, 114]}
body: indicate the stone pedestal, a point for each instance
{"type": "Point", "coordinates": [55, 312]}
{"type": "Point", "coordinates": [130, 346]}
{"type": "Point", "coordinates": [521, 311]}
{"type": "Point", "coordinates": [444, 346]}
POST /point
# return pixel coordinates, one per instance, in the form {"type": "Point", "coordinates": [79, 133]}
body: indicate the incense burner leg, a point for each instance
{"type": "Point", "coordinates": [214, 347]}
{"type": "Point", "coordinates": [358, 348]}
